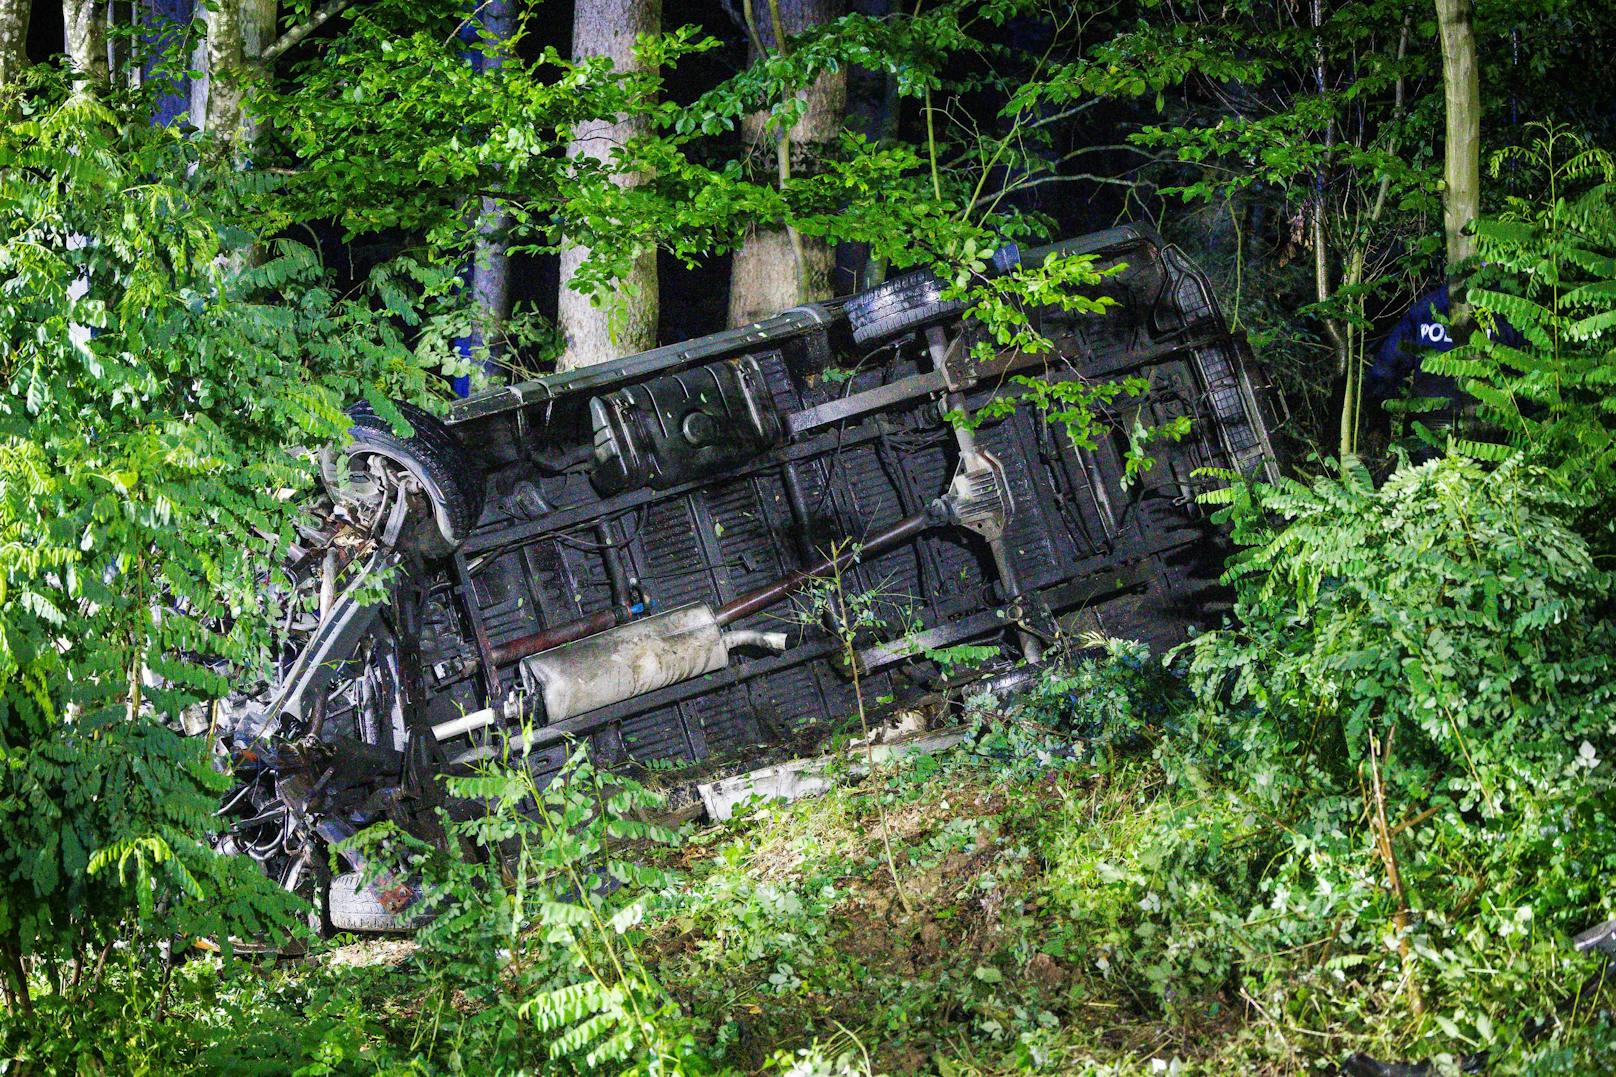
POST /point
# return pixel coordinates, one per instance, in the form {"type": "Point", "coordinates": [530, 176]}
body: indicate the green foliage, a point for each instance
{"type": "Point", "coordinates": [1549, 258]}
{"type": "Point", "coordinates": [541, 926]}
{"type": "Point", "coordinates": [1004, 306]}
{"type": "Point", "coordinates": [1297, 153]}
{"type": "Point", "coordinates": [1405, 739]}
{"type": "Point", "coordinates": [1392, 770]}
{"type": "Point", "coordinates": [391, 128]}
{"type": "Point", "coordinates": [1084, 411]}
{"type": "Point", "coordinates": [163, 360]}
{"type": "Point", "coordinates": [1114, 698]}
{"type": "Point", "coordinates": [1072, 911]}
{"type": "Point", "coordinates": [1000, 303]}
{"type": "Point", "coordinates": [1452, 602]}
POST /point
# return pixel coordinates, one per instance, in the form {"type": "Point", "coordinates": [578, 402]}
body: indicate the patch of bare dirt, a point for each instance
{"type": "Point", "coordinates": [372, 953]}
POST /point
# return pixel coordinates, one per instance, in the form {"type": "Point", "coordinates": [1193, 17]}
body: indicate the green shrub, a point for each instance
{"type": "Point", "coordinates": [1451, 614]}
{"type": "Point", "coordinates": [1416, 708]}
{"type": "Point", "coordinates": [1116, 698]}
{"type": "Point", "coordinates": [1547, 263]}
{"type": "Point", "coordinates": [1386, 799]}
{"type": "Point", "coordinates": [538, 929]}
{"type": "Point", "coordinates": [162, 360]}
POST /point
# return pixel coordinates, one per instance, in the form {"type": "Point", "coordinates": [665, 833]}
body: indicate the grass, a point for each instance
{"type": "Point", "coordinates": [1032, 941]}
{"type": "Point", "coordinates": [984, 975]}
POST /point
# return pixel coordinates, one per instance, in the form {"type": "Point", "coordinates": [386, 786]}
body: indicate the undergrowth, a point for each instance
{"type": "Point", "coordinates": [1082, 899]}
{"type": "Point", "coordinates": [1366, 817]}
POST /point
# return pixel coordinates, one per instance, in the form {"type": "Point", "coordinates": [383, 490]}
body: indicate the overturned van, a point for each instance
{"type": "Point", "coordinates": [634, 555]}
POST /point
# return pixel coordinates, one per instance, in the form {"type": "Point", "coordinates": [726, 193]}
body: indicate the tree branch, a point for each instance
{"type": "Point", "coordinates": [1090, 177]}
{"type": "Point", "coordinates": [292, 37]}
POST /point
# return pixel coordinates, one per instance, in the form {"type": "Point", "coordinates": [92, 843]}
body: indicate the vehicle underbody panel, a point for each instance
{"type": "Point", "coordinates": [648, 568]}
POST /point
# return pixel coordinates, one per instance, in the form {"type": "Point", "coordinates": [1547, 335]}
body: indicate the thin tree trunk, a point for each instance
{"type": "Point", "coordinates": [85, 28]}
{"type": "Point", "coordinates": [1461, 91]}
{"type": "Point", "coordinates": [1352, 398]}
{"type": "Point", "coordinates": [120, 21]}
{"type": "Point", "coordinates": [1323, 289]}
{"type": "Point", "coordinates": [491, 268]}
{"type": "Point", "coordinates": [625, 322]}
{"type": "Point", "coordinates": [14, 18]}
{"type": "Point", "coordinates": [220, 53]}
{"type": "Point", "coordinates": [1381, 750]}
{"type": "Point", "coordinates": [776, 269]}
{"type": "Point", "coordinates": [200, 81]}
{"type": "Point", "coordinates": [11, 958]}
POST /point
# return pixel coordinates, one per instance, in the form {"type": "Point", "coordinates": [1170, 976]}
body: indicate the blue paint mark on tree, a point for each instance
{"type": "Point", "coordinates": [487, 272]}
{"type": "Point", "coordinates": [165, 22]}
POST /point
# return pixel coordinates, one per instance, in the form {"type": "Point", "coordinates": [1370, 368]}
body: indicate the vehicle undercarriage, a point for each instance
{"type": "Point", "coordinates": [635, 555]}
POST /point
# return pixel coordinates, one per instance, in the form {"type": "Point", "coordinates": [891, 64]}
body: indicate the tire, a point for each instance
{"type": "Point", "coordinates": [899, 306]}
{"type": "Point", "coordinates": [433, 455]}
{"type": "Point", "coordinates": [354, 908]}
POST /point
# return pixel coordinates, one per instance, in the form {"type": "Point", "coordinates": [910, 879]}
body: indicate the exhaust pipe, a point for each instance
{"type": "Point", "coordinates": [590, 670]}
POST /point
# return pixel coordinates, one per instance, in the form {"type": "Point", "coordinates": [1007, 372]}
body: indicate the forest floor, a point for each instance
{"type": "Point", "coordinates": [976, 911]}
{"type": "Point", "coordinates": [960, 953]}
{"type": "Point", "coordinates": [953, 957]}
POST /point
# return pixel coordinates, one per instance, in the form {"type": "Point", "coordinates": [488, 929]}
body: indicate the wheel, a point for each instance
{"type": "Point", "coordinates": [355, 908]}
{"type": "Point", "coordinates": [450, 478]}
{"type": "Point", "coordinates": [899, 306]}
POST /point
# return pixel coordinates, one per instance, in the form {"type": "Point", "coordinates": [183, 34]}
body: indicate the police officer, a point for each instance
{"type": "Point", "coordinates": [1424, 331]}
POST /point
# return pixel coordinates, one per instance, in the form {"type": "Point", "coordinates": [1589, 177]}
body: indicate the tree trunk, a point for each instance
{"type": "Point", "coordinates": [11, 967]}
{"type": "Point", "coordinates": [14, 16]}
{"type": "Point", "coordinates": [491, 275]}
{"type": "Point", "coordinates": [85, 28]}
{"type": "Point", "coordinates": [1352, 396]}
{"type": "Point", "coordinates": [626, 322]}
{"type": "Point", "coordinates": [777, 269]}
{"type": "Point", "coordinates": [238, 33]}
{"type": "Point", "coordinates": [1461, 91]}
{"type": "Point", "coordinates": [120, 25]}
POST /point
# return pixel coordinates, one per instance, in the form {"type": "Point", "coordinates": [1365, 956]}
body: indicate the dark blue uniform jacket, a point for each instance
{"type": "Point", "coordinates": [1422, 331]}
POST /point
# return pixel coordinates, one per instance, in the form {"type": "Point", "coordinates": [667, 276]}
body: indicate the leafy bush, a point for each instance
{"type": "Point", "coordinates": [1451, 616]}
{"type": "Point", "coordinates": [539, 928]}
{"type": "Point", "coordinates": [1396, 770]}
{"type": "Point", "coordinates": [1393, 772]}
{"type": "Point", "coordinates": [1548, 260]}
{"type": "Point", "coordinates": [1108, 697]}
{"type": "Point", "coordinates": [162, 362]}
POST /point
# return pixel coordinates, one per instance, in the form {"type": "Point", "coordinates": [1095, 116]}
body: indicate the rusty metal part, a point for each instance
{"type": "Point", "coordinates": [467, 595]}
{"type": "Point", "coordinates": [942, 349]}
{"type": "Point", "coordinates": [627, 661]}
{"type": "Point", "coordinates": [871, 400]}
{"type": "Point", "coordinates": [764, 597]}
{"type": "Point", "coordinates": [515, 650]}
